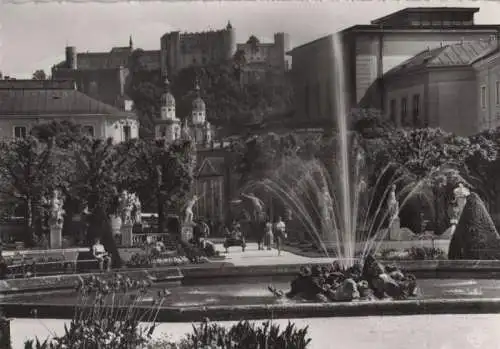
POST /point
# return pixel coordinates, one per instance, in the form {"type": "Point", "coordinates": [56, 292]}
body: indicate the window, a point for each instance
{"type": "Point", "coordinates": [483, 97]}
{"type": "Point", "coordinates": [497, 92]}
{"type": "Point", "coordinates": [404, 110]}
{"type": "Point", "coordinates": [416, 109]}
{"type": "Point", "coordinates": [127, 133]}
{"type": "Point", "coordinates": [20, 131]}
{"type": "Point", "coordinates": [392, 111]}
{"type": "Point", "coordinates": [89, 130]}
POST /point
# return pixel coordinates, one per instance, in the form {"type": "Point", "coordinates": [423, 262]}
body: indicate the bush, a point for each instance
{"type": "Point", "coordinates": [243, 335]}
{"type": "Point", "coordinates": [100, 321]}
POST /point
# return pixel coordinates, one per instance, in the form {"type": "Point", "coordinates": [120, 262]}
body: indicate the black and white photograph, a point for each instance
{"type": "Point", "coordinates": [249, 174]}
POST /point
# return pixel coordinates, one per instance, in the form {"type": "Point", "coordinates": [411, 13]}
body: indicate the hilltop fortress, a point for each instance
{"type": "Point", "coordinates": [102, 75]}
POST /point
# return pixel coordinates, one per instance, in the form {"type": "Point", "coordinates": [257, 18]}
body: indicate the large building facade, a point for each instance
{"type": "Point", "coordinates": [367, 52]}
{"type": "Point", "coordinates": [440, 88]}
{"type": "Point", "coordinates": [25, 104]}
{"type": "Point", "coordinates": [103, 75]}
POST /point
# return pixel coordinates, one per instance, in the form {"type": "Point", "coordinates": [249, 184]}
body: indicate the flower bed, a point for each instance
{"type": "Point", "coordinates": [414, 253]}
{"type": "Point", "coordinates": [37, 284]}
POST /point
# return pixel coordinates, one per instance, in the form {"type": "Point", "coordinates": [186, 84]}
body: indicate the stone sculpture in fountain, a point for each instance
{"type": "Point", "coordinates": [188, 223]}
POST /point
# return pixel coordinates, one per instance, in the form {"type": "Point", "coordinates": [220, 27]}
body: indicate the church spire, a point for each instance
{"type": "Point", "coordinates": [130, 43]}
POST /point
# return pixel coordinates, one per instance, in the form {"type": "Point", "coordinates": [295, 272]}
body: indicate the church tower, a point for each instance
{"type": "Point", "coordinates": [167, 125]}
{"type": "Point", "coordinates": [201, 127]}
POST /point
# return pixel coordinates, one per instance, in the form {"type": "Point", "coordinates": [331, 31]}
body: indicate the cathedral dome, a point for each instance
{"type": "Point", "coordinates": [198, 104]}
{"type": "Point", "coordinates": [167, 99]}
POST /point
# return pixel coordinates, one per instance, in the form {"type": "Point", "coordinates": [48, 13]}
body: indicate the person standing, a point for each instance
{"type": "Point", "coordinates": [280, 234]}
{"type": "Point", "coordinates": [269, 234]}
{"type": "Point", "coordinates": [260, 231]}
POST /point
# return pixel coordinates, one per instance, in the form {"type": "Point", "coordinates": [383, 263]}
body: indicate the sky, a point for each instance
{"type": "Point", "coordinates": [33, 35]}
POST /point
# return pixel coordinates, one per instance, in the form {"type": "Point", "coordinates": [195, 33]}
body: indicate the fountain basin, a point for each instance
{"type": "Point", "coordinates": [281, 311]}
{"type": "Point", "coordinates": [422, 269]}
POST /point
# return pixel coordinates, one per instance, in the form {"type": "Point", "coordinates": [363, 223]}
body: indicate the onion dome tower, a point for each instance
{"type": "Point", "coordinates": [167, 125]}
{"type": "Point", "coordinates": [201, 127]}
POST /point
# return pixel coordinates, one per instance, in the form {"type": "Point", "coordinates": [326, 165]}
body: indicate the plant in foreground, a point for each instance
{"type": "Point", "coordinates": [242, 335]}
{"type": "Point", "coordinates": [108, 316]}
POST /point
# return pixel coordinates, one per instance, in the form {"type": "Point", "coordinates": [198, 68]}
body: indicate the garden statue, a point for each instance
{"type": "Point", "coordinates": [257, 204]}
{"type": "Point", "coordinates": [126, 206]}
{"type": "Point", "coordinates": [461, 193]}
{"type": "Point", "coordinates": [138, 210]}
{"type": "Point", "coordinates": [393, 204]}
{"type": "Point", "coordinates": [57, 210]}
{"type": "Point", "coordinates": [189, 209]}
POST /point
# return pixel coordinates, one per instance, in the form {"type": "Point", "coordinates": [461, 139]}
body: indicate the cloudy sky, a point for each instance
{"type": "Point", "coordinates": [33, 35]}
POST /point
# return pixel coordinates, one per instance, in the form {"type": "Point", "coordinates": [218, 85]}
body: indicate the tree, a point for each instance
{"type": "Point", "coordinates": [483, 167]}
{"type": "Point", "coordinates": [421, 155]}
{"type": "Point", "coordinates": [29, 171]}
{"type": "Point", "coordinates": [65, 133]}
{"type": "Point", "coordinates": [39, 75]}
{"type": "Point", "coordinates": [100, 174]}
{"type": "Point", "coordinates": [163, 174]}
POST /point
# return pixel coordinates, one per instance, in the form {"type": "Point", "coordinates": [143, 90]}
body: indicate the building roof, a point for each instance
{"type": "Point", "coordinates": [454, 55]}
{"type": "Point", "coordinates": [116, 58]}
{"type": "Point", "coordinates": [406, 11]}
{"type": "Point", "coordinates": [53, 102]}
{"type": "Point", "coordinates": [37, 84]}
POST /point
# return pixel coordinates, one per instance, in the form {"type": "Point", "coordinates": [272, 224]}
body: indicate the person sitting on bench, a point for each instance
{"type": "Point", "coordinates": [101, 255]}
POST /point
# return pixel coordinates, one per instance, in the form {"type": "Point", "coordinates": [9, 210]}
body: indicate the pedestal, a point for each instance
{"type": "Point", "coordinates": [395, 230]}
{"type": "Point", "coordinates": [5, 341]}
{"type": "Point", "coordinates": [126, 232]}
{"type": "Point", "coordinates": [56, 236]}
{"type": "Point", "coordinates": [187, 231]}
{"type": "Point", "coordinates": [116, 224]}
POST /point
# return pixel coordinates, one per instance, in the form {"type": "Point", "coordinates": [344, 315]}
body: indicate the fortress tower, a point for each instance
{"type": "Point", "coordinates": [181, 50]}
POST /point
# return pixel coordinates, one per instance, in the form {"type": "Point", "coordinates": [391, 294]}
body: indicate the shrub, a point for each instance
{"type": "Point", "coordinates": [107, 317]}
{"type": "Point", "coordinates": [242, 335]}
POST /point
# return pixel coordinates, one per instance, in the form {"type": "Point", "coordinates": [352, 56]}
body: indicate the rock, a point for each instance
{"type": "Point", "coordinates": [390, 287]}
{"type": "Point", "coordinates": [475, 237]}
{"type": "Point", "coordinates": [347, 292]}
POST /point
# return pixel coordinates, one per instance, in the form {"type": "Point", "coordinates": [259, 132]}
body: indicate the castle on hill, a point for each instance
{"type": "Point", "coordinates": [103, 75]}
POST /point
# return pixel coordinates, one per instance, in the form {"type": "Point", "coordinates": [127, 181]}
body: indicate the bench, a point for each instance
{"type": "Point", "coordinates": [233, 241]}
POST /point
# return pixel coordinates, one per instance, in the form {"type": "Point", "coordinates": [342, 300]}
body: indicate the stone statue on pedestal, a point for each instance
{"type": "Point", "coordinates": [461, 193]}
{"type": "Point", "coordinates": [188, 218]}
{"type": "Point", "coordinates": [57, 211]}
{"type": "Point", "coordinates": [393, 204]}
{"type": "Point", "coordinates": [138, 210]}
{"type": "Point", "coordinates": [126, 206]}
{"type": "Point", "coordinates": [257, 205]}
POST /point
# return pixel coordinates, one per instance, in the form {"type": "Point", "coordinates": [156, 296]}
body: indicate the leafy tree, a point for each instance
{"type": "Point", "coordinates": [163, 174]}
{"type": "Point", "coordinates": [483, 167]}
{"type": "Point", "coordinates": [64, 132]}
{"type": "Point", "coordinates": [29, 171]}
{"type": "Point", "coordinates": [421, 156]}
{"type": "Point", "coordinates": [99, 176]}
{"type": "Point", "coordinates": [39, 75]}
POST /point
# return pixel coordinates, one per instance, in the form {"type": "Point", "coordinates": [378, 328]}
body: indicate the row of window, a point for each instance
{"type": "Point", "coordinates": [484, 95]}
{"type": "Point", "coordinates": [405, 118]}
{"type": "Point", "coordinates": [22, 131]}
